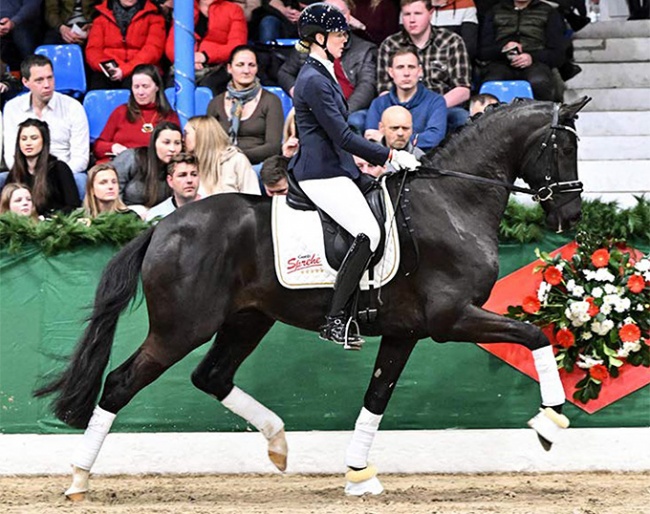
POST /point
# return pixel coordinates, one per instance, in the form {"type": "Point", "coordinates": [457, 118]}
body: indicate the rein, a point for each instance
{"type": "Point", "coordinates": [552, 186]}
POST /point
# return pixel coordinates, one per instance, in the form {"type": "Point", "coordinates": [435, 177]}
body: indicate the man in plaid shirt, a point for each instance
{"type": "Point", "coordinates": [445, 63]}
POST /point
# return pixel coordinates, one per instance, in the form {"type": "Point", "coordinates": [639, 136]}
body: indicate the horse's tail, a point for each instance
{"type": "Point", "coordinates": [78, 386]}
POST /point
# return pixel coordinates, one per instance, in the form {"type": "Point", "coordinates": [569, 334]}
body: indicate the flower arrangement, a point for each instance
{"type": "Point", "coordinates": [597, 305]}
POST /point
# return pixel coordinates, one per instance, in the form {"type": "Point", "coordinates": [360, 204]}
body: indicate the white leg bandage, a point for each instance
{"type": "Point", "coordinates": [262, 418]}
{"type": "Point", "coordinates": [98, 427]}
{"type": "Point", "coordinates": [364, 433]}
{"type": "Point", "coordinates": [549, 378]}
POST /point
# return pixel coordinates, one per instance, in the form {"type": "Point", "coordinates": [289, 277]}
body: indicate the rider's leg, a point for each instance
{"type": "Point", "coordinates": [343, 201]}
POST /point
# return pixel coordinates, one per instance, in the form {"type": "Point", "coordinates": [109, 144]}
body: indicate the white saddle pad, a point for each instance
{"type": "Point", "coordinates": [299, 249]}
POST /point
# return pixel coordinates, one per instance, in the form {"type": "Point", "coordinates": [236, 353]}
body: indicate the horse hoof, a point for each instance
{"type": "Point", "coordinates": [76, 497]}
{"type": "Point", "coordinates": [362, 482]}
{"type": "Point", "coordinates": [79, 487]}
{"type": "Point", "coordinates": [278, 450]}
{"type": "Point", "coordinates": [549, 426]}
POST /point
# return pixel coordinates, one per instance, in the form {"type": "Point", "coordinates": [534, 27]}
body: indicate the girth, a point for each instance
{"type": "Point", "coordinates": [337, 239]}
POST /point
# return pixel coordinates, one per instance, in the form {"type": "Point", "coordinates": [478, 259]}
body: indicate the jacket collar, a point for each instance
{"type": "Point", "coordinates": [320, 67]}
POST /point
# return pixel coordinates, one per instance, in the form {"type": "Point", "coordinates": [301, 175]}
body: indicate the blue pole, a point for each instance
{"type": "Point", "coordinates": [184, 59]}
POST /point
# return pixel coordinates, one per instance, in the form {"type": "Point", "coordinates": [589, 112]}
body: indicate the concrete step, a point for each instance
{"type": "Point", "coordinates": [625, 99]}
{"type": "Point", "coordinates": [615, 29]}
{"type": "Point", "coordinates": [615, 181]}
{"type": "Point", "coordinates": [614, 148]}
{"type": "Point", "coordinates": [612, 50]}
{"type": "Point", "coordinates": [622, 123]}
{"type": "Point", "coordinates": [611, 75]}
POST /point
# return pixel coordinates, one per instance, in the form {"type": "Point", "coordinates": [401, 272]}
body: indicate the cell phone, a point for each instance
{"type": "Point", "coordinates": [511, 51]}
{"type": "Point", "coordinates": [108, 67]}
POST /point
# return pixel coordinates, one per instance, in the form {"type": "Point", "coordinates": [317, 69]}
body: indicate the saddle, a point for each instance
{"type": "Point", "coordinates": [337, 240]}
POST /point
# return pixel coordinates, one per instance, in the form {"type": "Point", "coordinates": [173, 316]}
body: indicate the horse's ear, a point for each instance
{"type": "Point", "coordinates": [569, 111]}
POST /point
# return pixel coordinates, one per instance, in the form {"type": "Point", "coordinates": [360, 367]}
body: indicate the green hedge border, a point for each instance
{"type": "Point", "coordinates": [520, 224]}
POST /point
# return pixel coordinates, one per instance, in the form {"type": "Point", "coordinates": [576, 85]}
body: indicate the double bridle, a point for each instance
{"type": "Point", "coordinates": [552, 184]}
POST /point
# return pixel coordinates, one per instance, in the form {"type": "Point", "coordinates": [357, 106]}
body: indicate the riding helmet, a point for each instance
{"type": "Point", "coordinates": [321, 18]}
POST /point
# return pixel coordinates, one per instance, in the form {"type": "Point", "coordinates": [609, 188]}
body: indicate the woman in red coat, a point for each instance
{"type": "Point", "coordinates": [219, 27]}
{"type": "Point", "coordinates": [124, 34]}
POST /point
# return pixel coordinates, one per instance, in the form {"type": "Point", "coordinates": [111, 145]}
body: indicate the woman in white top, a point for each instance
{"type": "Point", "coordinates": [223, 168]}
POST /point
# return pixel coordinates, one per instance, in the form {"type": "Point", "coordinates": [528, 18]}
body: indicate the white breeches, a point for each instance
{"type": "Point", "coordinates": [343, 201]}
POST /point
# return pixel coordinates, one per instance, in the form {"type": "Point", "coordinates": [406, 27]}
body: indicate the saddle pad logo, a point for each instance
{"type": "Point", "coordinates": [303, 263]}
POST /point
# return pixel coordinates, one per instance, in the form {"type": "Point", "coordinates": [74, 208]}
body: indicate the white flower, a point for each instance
{"type": "Point", "coordinates": [603, 275]}
{"type": "Point", "coordinates": [578, 291]}
{"type": "Point", "coordinates": [640, 308]}
{"type": "Point", "coordinates": [629, 320]}
{"type": "Point", "coordinates": [586, 336]}
{"type": "Point", "coordinates": [597, 292]}
{"type": "Point", "coordinates": [542, 292]}
{"type": "Point", "coordinates": [628, 348]}
{"type": "Point", "coordinates": [610, 289]}
{"type": "Point", "coordinates": [606, 309]}
{"type": "Point", "coordinates": [560, 265]}
{"type": "Point", "coordinates": [642, 265]}
{"type": "Point", "coordinates": [578, 313]}
{"type": "Point", "coordinates": [602, 327]}
{"type": "Point", "coordinates": [646, 276]}
{"type": "Point", "coordinates": [586, 361]}
{"type": "Point", "coordinates": [622, 305]}
{"type": "Point", "coordinates": [589, 275]}
{"type": "Point", "coordinates": [570, 285]}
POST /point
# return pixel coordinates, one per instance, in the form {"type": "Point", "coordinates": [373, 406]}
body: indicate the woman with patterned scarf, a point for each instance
{"type": "Point", "coordinates": [250, 115]}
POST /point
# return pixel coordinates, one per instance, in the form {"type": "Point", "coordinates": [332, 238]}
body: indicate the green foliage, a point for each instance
{"type": "Point", "coordinates": [604, 220]}
{"type": "Point", "coordinates": [67, 232]}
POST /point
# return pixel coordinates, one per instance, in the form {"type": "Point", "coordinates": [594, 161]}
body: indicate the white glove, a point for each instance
{"type": "Point", "coordinates": [402, 160]}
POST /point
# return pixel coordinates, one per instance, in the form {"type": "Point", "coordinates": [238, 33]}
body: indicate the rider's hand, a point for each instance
{"type": "Point", "coordinates": [402, 160]}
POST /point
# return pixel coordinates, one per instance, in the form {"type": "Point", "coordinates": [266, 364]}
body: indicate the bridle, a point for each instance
{"type": "Point", "coordinates": [552, 186]}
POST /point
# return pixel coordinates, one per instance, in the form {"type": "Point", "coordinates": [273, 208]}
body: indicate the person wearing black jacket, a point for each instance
{"type": "Point", "coordinates": [358, 65]}
{"type": "Point", "coordinates": [523, 40]}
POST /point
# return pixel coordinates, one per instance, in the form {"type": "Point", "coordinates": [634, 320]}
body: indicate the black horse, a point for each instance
{"type": "Point", "coordinates": [208, 269]}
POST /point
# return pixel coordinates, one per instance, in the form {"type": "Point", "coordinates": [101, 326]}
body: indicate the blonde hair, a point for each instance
{"type": "Point", "coordinates": [90, 204]}
{"type": "Point", "coordinates": [289, 129]}
{"type": "Point", "coordinates": [8, 191]}
{"type": "Point", "coordinates": [211, 141]}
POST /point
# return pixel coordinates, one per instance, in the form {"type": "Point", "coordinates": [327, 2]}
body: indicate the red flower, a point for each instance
{"type": "Point", "coordinates": [553, 275]}
{"type": "Point", "coordinates": [629, 333]}
{"type": "Point", "coordinates": [600, 258]}
{"type": "Point", "coordinates": [565, 338]}
{"type": "Point", "coordinates": [598, 372]}
{"type": "Point", "coordinates": [636, 284]}
{"type": "Point", "coordinates": [593, 308]}
{"type": "Point", "coordinates": [531, 304]}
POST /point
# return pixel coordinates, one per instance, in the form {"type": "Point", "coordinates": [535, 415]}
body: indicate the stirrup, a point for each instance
{"type": "Point", "coordinates": [343, 333]}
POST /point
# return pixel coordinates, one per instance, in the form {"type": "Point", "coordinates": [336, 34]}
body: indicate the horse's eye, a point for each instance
{"type": "Point", "coordinates": [567, 150]}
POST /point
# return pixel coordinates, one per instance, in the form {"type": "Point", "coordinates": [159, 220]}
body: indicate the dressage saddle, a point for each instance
{"type": "Point", "coordinates": [337, 239]}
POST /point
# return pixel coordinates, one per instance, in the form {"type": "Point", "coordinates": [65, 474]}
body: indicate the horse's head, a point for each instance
{"type": "Point", "coordinates": [552, 167]}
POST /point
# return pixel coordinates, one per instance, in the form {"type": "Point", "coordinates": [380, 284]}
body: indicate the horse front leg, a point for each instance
{"type": "Point", "coordinates": [236, 340]}
{"type": "Point", "coordinates": [393, 355]}
{"type": "Point", "coordinates": [478, 325]}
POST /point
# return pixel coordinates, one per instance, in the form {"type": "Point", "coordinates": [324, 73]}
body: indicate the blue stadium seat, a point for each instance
{"type": "Point", "coordinates": [68, 63]}
{"type": "Point", "coordinates": [287, 102]}
{"type": "Point", "coordinates": [99, 104]}
{"type": "Point", "coordinates": [282, 42]}
{"type": "Point", "coordinates": [506, 91]}
{"type": "Point", "coordinates": [202, 97]}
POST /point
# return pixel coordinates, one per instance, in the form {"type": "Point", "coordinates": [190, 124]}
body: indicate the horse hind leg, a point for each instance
{"type": "Point", "coordinates": [478, 325]}
{"type": "Point", "coordinates": [120, 386]}
{"type": "Point", "coordinates": [361, 477]}
{"type": "Point", "coordinates": [236, 340]}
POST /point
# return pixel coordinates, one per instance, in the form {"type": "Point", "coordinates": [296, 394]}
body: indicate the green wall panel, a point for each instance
{"type": "Point", "coordinates": [313, 385]}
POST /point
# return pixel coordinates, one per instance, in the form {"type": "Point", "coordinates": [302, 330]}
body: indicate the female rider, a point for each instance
{"type": "Point", "coordinates": [324, 166]}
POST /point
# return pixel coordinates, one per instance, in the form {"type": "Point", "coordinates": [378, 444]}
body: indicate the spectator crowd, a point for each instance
{"type": "Point", "coordinates": [408, 72]}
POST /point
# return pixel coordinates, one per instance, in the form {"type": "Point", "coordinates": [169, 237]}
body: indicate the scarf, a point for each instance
{"type": "Point", "coordinates": [239, 98]}
{"type": "Point", "coordinates": [123, 15]}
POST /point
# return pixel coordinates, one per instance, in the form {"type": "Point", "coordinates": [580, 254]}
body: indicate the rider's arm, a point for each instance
{"type": "Point", "coordinates": [329, 117]}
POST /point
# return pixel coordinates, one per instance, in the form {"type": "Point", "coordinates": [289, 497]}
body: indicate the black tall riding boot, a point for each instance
{"type": "Point", "coordinates": [338, 324]}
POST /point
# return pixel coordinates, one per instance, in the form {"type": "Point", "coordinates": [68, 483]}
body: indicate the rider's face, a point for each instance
{"type": "Point", "coordinates": [336, 42]}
